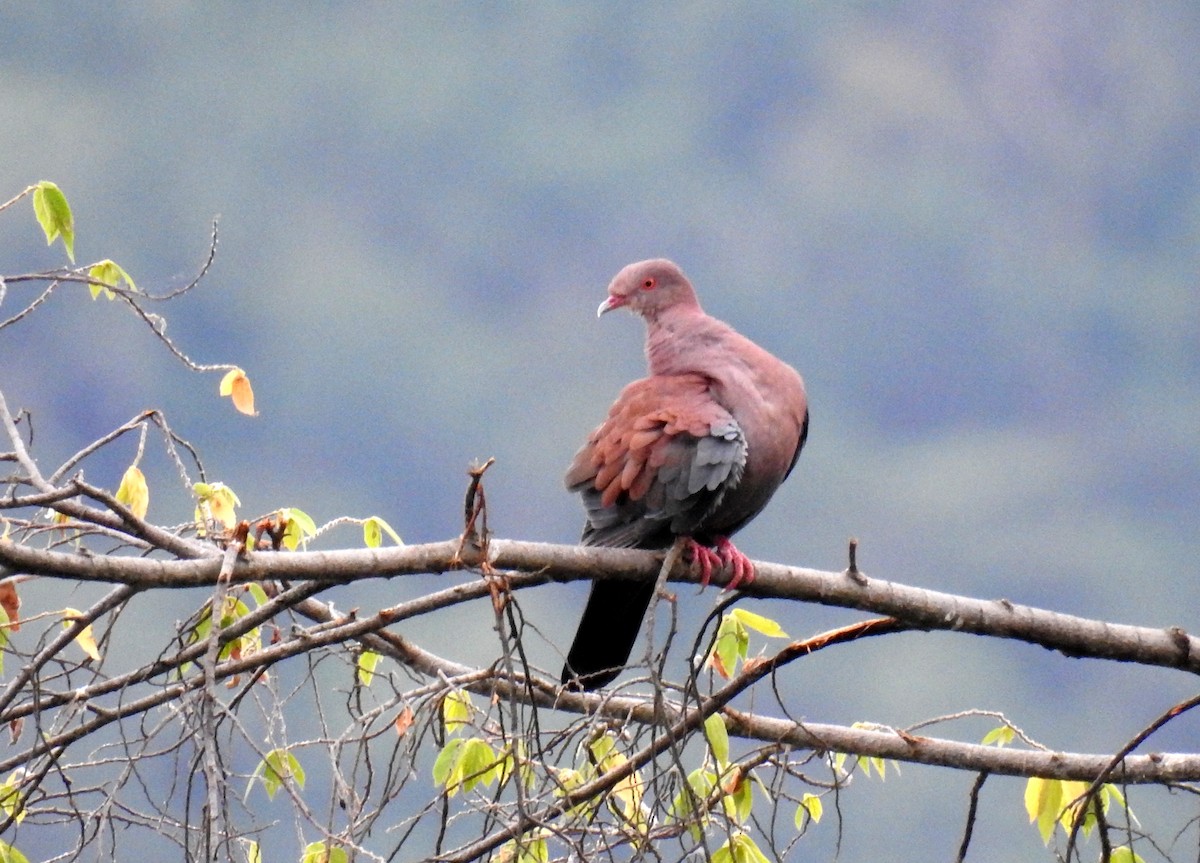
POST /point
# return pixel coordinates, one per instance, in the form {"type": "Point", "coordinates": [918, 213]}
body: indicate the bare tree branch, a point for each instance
{"type": "Point", "coordinates": [541, 563]}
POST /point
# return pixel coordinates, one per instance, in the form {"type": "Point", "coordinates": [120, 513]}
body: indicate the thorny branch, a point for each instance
{"type": "Point", "coordinates": [248, 675]}
{"type": "Point", "coordinates": [207, 661]}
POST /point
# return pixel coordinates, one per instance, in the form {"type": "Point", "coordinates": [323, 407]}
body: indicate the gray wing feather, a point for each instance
{"type": "Point", "coordinates": [696, 474]}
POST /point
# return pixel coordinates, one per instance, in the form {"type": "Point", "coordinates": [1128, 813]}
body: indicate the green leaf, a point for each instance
{"type": "Point", "coordinates": [298, 527]}
{"type": "Point", "coordinates": [701, 783]}
{"type": "Point", "coordinates": [10, 797]}
{"type": "Point", "coordinates": [740, 849]}
{"type": "Point", "coordinates": [601, 748]}
{"type": "Point", "coordinates": [732, 644]}
{"type": "Point", "coordinates": [533, 849]}
{"type": "Point", "coordinates": [278, 766]}
{"type": "Point", "coordinates": [256, 591]}
{"type": "Point", "coordinates": [54, 215]}
{"type": "Point", "coordinates": [253, 852]}
{"type": "Point", "coordinates": [479, 763]}
{"type": "Point", "coordinates": [9, 854]}
{"type": "Point", "coordinates": [367, 660]}
{"type": "Point", "coordinates": [111, 274]}
{"type": "Point", "coordinates": [568, 779]}
{"type": "Point", "coordinates": [758, 623]}
{"type": "Point", "coordinates": [1001, 736]}
{"type": "Point", "coordinates": [373, 530]}
{"type": "Point", "coordinates": [536, 851]}
{"type": "Point", "coordinates": [1109, 793]}
{"type": "Point", "coordinates": [456, 710]}
{"type": "Point", "coordinates": [718, 738]}
{"type": "Point", "coordinates": [463, 764]}
{"type": "Point", "coordinates": [445, 766]}
{"type": "Point", "coordinates": [233, 610]}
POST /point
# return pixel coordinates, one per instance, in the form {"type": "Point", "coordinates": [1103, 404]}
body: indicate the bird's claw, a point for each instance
{"type": "Point", "coordinates": [724, 554]}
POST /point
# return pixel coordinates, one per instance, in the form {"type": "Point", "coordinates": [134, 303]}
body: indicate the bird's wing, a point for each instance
{"type": "Point", "coordinates": [659, 464]}
{"type": "Point", "coordinates": [799, 444]}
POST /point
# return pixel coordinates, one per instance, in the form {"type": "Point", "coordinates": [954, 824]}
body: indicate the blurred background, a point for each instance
{"type": "Point", "coordinates": [972, 227]}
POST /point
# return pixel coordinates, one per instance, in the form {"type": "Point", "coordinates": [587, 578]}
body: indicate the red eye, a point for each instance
{"type": "Point", "coordinates": [649, 284]}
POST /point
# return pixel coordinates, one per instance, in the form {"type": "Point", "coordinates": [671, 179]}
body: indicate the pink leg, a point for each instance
{"type": "Point", "coordinates": [738, 563]}
{"type": "Point", "coordinates": [705, 558]}
{"type": "Point", "coordinates": [725, 554]}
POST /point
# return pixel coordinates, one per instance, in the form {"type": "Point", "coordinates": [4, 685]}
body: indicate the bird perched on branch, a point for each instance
{"type": "Point", "coordinates": [694, 450]}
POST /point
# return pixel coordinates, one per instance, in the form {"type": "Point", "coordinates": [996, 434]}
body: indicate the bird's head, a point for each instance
{"type": "Point", "coordinates": [649, 288]}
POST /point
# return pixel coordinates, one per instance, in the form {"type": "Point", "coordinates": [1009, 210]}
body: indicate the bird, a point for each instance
{"type": "Point", "coordinates": [695, 449]}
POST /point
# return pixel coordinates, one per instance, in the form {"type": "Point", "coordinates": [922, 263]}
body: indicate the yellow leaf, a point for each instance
{"type": "Point", "coordinates": [277, 767]}
{"type": "Point", "coordinates": [10, 797]}
{"type": "Point", "coordinates": [1072, 791]}
{"type": "Point", "coordinates": [629, 791]}
{"type": "Point", "coordinates": [298, 527]}
{"type": "Point", "coordinates": [217, 502]}
{"type": "Point", "coordinates": [236, 385]}
{"type": "Point", "coordinates": [373, 530]}
{"type": "Point", "coordinates": [9, 854]}
{"type": "Point", "coordinates": [111, 274]}
{"type": "Point", "coordinates": [456, 710]}
{"type": "Point", "coordinates": [758, 623]}
{"type": "Point", "coordinates": [746, 850]}
{"type": "Point", "coordinates": [1043, 801]}
{"type": "Point", "coordinates": [367, 660]}
{"type": "Point", "coordinates": [85, 639]}
{"type": "Point", "coordinates": [1001, 736]}
{"type": "Point", "coordinates": [810, 808]}
{"type": "Point", "coordinates": [324, 852]}
{"type": "Point", "coordinates": [133, 492]}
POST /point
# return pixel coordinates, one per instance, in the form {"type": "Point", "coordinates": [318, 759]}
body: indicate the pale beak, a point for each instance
{"type": "Point", "coordinates": [610, 303]}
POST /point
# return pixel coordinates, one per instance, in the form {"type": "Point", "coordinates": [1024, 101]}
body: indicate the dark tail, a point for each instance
{"type": "Point", "coordinates": [609, 627]}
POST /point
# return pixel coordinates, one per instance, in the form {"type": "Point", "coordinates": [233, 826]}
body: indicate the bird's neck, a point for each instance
{"type": "Point", "coordinates": [672, 336]}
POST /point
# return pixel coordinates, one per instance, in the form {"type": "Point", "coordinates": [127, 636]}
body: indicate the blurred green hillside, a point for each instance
{"type": "Point", "coordinates": [974, 228]}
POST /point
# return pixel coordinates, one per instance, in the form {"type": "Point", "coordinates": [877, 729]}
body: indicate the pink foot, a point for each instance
{"type": "Point", "coordinates": [724, 554]}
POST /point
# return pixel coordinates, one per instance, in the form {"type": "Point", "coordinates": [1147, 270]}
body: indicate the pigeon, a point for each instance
{"type": "Point", "coordinates": [693, 450]}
